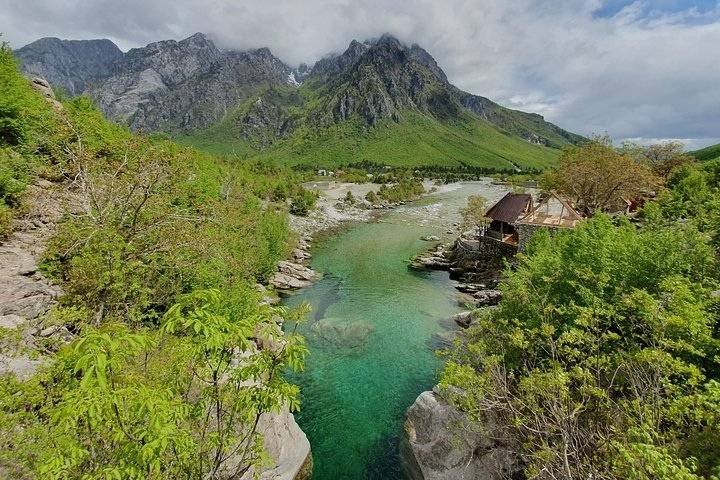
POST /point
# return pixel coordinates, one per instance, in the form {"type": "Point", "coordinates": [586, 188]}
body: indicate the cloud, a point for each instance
{"type": "Point", "coordinates": [632, 69]}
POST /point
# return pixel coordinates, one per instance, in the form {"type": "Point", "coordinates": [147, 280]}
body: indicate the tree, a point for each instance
{"type": "Point", "coordinates": [473, 214]}
{"type": "Point", "coordinates": [601, 359]}
{"type": "Point", "coordinates": [349, 198]}
{"type": "Point", "coordinates": [663, 158]}
{"type": "Point", "coordinates": [596, 177]}
{"type": "Point", "coordinates": [181, 402]}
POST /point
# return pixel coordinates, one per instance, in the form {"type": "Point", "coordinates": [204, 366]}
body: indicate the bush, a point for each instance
{"type": "Point", "coordinates": [302, 202]}
{"type": "Point", "coordinates": [601, 350]}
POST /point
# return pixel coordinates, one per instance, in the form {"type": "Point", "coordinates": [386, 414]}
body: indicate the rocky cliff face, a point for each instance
{"type": "Point", "coordinates": [442, 444]}
{"type": "Point", "coordinates": [191, 84]}
{"type": "Point", "coordinates": [168, 85]}
{"type": "Point", "coordinates": [380, 80]}
{"type": "Point", "coordinates": [70, 64]}
{"type": "Point", "coordinates": [186, 85]}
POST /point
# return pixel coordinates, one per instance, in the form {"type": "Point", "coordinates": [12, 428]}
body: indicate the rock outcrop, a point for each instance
{"type": "Point", "coordinates": [185, 85]}
{"type": "Point", "coordinates": [441, 443]}
{"type": "Point", "coordinates": [293, 276]}
{"type": "Point", "coordinates": [70, 64]}
{"type": "Point", "coordinates": [25, 294]}
{"type": "Point", "coordinates": [287, 446]}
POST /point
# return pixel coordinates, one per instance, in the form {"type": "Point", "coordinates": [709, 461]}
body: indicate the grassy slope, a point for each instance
{"type": "Point", "coordinates": [708, 153]}
{"type": "Point", "coordinates": [415, 140]}
{"type": "Point", "coordinates": [220, 139]}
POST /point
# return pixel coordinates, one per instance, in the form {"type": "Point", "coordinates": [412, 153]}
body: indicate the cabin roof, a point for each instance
{"type": "Point", "coordinates": [510, 207]}
{"type": "Point", "coordinates": [553, 211]}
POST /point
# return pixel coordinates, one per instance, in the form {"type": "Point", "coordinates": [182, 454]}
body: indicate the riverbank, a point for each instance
{"type": "Point", "coordinates": [373, 332]}
{"type": "Point", "coordinates": [332, 213]}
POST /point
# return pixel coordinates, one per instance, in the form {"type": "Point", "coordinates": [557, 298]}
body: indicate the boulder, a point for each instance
{"type": "Point", "coordinates": [441, 443]}
{"type": "Point", "coordinates": [282, 281]}
{"type": "Point", "coordinates": [430, 238]}
{"type": "Point", "coordinates": [484, 298]}
{"type": "Point", "coordinates": [465, 319]}
{"type": "Point", "coordinates": [287, 446]}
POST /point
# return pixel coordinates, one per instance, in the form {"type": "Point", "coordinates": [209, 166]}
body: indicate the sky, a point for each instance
{"type": "Point", "coordinates": [636, 70]}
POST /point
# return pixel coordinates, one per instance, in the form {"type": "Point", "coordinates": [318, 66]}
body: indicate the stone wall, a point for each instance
{"type": "Point", "coordinates": [479, 260]}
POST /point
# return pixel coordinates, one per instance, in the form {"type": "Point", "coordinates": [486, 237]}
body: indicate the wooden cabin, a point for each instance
{"type": "Point", "coordinates": [505, 214]}
{"type": "Point", "coordinates": [552, 213]}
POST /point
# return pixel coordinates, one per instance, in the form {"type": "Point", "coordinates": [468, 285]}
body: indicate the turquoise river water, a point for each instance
{"type": "Point", "coordinates": [373, 333]}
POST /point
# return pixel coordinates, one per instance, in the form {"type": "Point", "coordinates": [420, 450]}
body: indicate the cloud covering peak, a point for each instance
{"type": "Point", "coordinates": [642, 70]}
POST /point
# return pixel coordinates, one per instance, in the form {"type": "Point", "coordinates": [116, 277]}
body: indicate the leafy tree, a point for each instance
{"type": "Point", "coordinates": [596, 177]}
{"type": "Point", "coordinates": [302, 202]}
{"type": "Point", "coordinates": [663, 158]}
{"type": "Point", "coordinates": [473, 214]}
{"type": "Point", "coordinates": [599, 354]}
{"type": "Point", "coordinates": [181, 402]}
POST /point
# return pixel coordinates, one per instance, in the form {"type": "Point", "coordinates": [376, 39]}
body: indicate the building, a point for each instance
{"type": "Point", "coordinates": [505, 214]}
{"type": "Point", "coordinates": [552, 213]}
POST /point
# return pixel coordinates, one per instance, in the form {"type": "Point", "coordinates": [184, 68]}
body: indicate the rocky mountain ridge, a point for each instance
{"type": "Point", "coordinates": [190, 85]}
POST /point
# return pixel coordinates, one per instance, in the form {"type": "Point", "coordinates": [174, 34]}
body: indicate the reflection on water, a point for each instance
{"type": "Point", "coordinates": [373, 334]}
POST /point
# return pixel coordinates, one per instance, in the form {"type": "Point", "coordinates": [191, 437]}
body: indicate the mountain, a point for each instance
{"type": "Point", "coordinates": [70, 64]}
{"type": "Point", "coordinates": [708, 153]}
{"type": "Point", "coordinates": [379, 101]}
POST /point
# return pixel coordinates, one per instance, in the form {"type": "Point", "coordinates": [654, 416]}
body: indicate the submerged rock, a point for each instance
{"type": "Point", "coordinates": [441, 443]}
{"type": "Point", "coordinates": [341, 334]}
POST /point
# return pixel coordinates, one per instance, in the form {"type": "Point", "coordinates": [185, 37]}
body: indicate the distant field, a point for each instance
{"type": "Point", "coordinates": [415, 140]}
{"type": "Point", "coordinates": [709, 153]}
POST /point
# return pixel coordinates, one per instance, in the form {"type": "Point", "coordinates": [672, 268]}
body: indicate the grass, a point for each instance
{"type": "Point", "coordinates": [708, 153]}
{"type": "Point", "coordinates": [415, 140]}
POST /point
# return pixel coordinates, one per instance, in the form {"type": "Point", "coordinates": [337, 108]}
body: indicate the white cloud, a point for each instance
{"type": "Point", "coordinates": [642, 73]}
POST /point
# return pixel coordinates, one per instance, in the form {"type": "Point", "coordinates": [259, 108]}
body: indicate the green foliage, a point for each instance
{"type": "Point", "coordinates": [166, 377]}
{"type": "Point", "coordinates": [302, 202]}
{"type": "Point", "coordinates": [708, 153]}
{"type": "Point", "coordinates": [182, 401]}
{"type": "Point", "coordinates": [349, 198]}
{"type": "Point", "coordinates": [406, 188]}
{"type": "Point", "coordinates": [599, 353]}
{"type": "Point", "coordinates": [415, 140]}
{"type": "Point", "coordinates": [371, 197]}
{"type": "Point", "coordinates": [25, 125]}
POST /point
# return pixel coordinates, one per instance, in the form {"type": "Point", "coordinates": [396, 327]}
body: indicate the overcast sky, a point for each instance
{"type": "Point", "coordinates": [636, 70]}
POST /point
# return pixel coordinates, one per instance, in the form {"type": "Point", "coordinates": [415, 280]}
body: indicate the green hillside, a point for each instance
{"type": "Point", "coordinates": [414, 140]}
{"type": "Point", "coordinates": [708, 153]}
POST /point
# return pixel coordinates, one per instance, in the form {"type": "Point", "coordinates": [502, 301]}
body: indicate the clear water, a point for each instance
{"type": "Point", "coordinates": [372, 335]}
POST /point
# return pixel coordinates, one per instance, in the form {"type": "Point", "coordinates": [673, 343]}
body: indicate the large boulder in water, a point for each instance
{"type": "Point", "coordinates": [441, 443]}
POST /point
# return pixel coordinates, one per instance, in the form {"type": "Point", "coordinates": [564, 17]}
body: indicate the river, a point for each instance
{"type": "Point", "coordinates": [373, 333]}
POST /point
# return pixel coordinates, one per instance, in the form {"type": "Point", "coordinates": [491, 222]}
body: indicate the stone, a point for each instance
{"type": "Point", "coordinates": [282, 281]}
{"type": "Point", "coordinates": [287, 446]}
{"type": "Point", "coordinates": [441, 443]}
{"type": "Point", "coordinates": [485, 298]}
{"type": "Point", "coordinates": [430, 238]}
{"type": "Point", "coordinates": [465, 319]}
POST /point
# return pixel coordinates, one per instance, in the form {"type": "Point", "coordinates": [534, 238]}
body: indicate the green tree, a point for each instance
{"type": "Point", "coordinates": [473, 214]}
{"type": "Point", "coordinates": [181, 402]}
{"type": "Point", "coordinates": [599, 353]}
